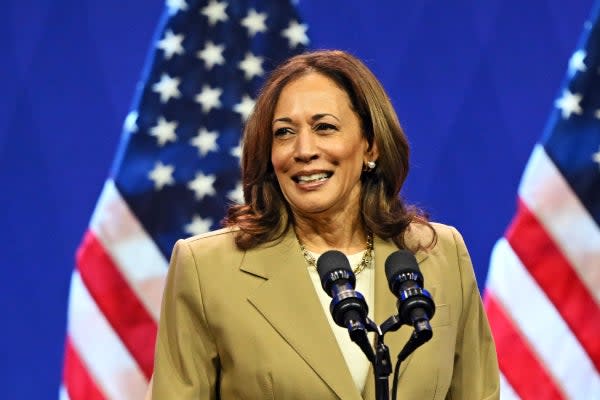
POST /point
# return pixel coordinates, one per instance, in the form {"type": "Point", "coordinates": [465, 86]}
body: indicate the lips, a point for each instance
{"type": "Point", "coordinates": [306, 178]}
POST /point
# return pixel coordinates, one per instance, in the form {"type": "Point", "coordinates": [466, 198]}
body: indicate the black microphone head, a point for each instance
{"type": "Point", "coordinates": [332, 266]}
{"type": "Point", "coordinates": [402, 266]}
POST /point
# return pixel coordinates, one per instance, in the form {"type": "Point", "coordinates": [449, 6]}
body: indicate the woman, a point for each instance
{"type": "Point", "coordinates": [244, 316]}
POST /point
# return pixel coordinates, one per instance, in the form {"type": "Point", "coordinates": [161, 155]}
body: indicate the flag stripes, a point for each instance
{"type": "Point", "coordinates": [79, 382]}
{"type": "Point", "coordinates": [129, 246]}
{"type": "Point", "coordinates": [546, 264]}
{"type": "Point", "coordinates": [531, 315]}
{"type": "Point", "coordinates": [516, 359]}
{"type": "Point", "coordinates": [124, 312]}
{"type": "Point", "coordinates": [124, 297]}
{"type": "Point", "coordinates": [507, 391]}
{"type": "Point", "coordinates": [545, 190]}
{"type": "Point", "coordinates": [102, 353]}
{"type": "Point", "coordinates": [533, 278]}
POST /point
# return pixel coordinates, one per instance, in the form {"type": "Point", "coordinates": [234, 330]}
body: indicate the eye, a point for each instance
{"type": "Point", "coordinates": [324, 126]}
{"type": "Point", "coordinates": [279, 132]}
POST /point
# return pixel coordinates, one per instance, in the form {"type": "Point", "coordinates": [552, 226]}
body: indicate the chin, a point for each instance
{"type": "Point", "coordinates": [312, 209]}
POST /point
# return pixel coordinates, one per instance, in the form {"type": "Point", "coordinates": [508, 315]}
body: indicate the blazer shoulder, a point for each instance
{"type": "Point", "coordinates": [216, 233]}
{"type": "Point", "coordinates": [223, 235]}
{"type": "Point", "coordinates": [423, 234]}
{"type": "Point", "coordinates": [446, 232]}
{"type": "Point", "coordinates": [434, 238]}
{"type": "Point", "coordinates": [219, 243]}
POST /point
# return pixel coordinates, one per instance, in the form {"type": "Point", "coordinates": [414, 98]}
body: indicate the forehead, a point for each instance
{"type": "Point", "coordinates": [312, 86]}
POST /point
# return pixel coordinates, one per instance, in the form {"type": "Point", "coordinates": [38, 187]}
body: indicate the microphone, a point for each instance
{"type": "Point", "coordinates": [415, 304]}
{"type": "Point", "coordinates": [348, 307]}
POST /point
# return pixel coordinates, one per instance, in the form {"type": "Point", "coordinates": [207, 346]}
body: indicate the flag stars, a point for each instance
{"type": "Point", "coordinates": [254, 22]}
{"type": "Point", "coordinates": [236, 195]}
{"type": "Point", "coordinates": [236, 151]}
{"type": "Point", "coordinates": [175, 6]}
{"type": "Point", "coordinates": [212, 54]}
{"type": "Point", "coordinates": [205, 141]}
{"type": "Point", "coordinates": [569, 104]}
{"type": "Point", "coordinates": [252, 66]}
{"type": "Point", "coordinates": [202, 185]}
{"type": "Point", "coordinates": [162, 175]}
{"type": "Point", "coordinates": [576, 63]}
{"type": "Point", "coordinates": [167, 87]}
{"type": "Point", "coordinates": [295, 33]}
{"type": "Point", "coordinates": [215, 12]}
{"type": "Point", "coordinates": [164, 131]}
{"type": "Point", "coordinates": [209, 98]}
{"type": "Point", "coordinates": [198, 225]}
{"type": "Point", "coordinates": [245, 107]}
{"type": "Point", "coordinates": [171, 44]}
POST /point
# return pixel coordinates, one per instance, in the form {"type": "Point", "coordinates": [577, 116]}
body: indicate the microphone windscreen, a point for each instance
{"type": "Point", "coordinates": [399, 262]}
{"type": "Point", "coordinates": [331, 260]}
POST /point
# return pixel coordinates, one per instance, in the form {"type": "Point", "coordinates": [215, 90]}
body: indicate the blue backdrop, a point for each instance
{"type": "Point", "coordinates": [473, 83]}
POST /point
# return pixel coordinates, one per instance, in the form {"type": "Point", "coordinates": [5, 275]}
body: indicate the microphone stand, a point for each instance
{"type": "Point", "coordinates": [382, 365]}
{"type": "Point", "coordinates": [382, 368]}
{"type": "Point", "coordinates": [380, 360]}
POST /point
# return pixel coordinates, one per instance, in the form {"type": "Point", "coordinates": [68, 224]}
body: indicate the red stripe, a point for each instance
{"type": "Point", "coordinates": [547, 265]}
{"type": "Point", "coordinates": [119, 304]}
{"type": "Point", "coordinates": [519, 364]}
{"type": "Point", "coordinates": [77, 380]}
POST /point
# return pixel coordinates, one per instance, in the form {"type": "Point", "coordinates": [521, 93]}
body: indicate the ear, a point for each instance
{"type": "Point", "coordinates": [371, 154]}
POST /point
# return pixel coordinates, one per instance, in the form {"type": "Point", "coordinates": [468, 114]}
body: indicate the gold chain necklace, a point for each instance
{"type": "Point", "coordinates": [364, 262]}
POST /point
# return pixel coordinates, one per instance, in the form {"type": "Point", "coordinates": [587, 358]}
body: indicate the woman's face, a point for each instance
{"type": "Point", "coordinates": [318, 147]}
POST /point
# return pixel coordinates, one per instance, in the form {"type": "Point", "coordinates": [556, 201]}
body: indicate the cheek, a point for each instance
{"type": "Point", "coordinates": [281, 157]}
{"type": "Point", "coordinates": [352, 159]}
{"type": "Point", "coordinates": [275, 159]}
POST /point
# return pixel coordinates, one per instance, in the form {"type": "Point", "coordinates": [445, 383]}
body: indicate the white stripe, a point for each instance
{"type": "Point", "coordinates": [136, 255]}
{"type": "Point", "coordinates": [506, 391]}
{"type": "Point", "coordinates": [63, 394]}
{"type": "Point", "coordinates": [541, 325]}
{"type": "Point", "coordinates": [107, 360]}
{"type": "Point", "coordinates": [551, 199]}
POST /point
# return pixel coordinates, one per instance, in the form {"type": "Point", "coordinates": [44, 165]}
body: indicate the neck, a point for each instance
{"type": "Point", "coordinates": [347, 236]}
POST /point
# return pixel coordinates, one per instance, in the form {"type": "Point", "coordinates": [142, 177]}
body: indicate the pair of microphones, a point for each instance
{"type": "Point", "coordinates": [349, 308]}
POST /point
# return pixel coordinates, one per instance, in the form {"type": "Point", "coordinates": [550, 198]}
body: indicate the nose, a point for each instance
{"type": "Point", "coordinates": [306, 146]}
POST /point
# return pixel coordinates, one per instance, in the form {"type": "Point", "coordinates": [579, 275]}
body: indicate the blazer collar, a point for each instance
{"type": "Point", "coordinates": [287, 248]}
{"type": "Point", "coordinates": [288, 302]}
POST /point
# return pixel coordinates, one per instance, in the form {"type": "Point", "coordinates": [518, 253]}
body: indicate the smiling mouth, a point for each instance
{"type": "Point", "coordinates": [304, 179]}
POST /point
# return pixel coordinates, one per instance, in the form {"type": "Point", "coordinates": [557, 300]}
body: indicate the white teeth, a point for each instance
{"type": "Point", "coordinates": [312, 178]}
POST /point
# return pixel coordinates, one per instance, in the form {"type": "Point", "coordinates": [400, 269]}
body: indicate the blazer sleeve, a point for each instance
{"type": "Point", "coordinates": [186, 362]}
{"type": "Point", "coordinates": [476, 374]}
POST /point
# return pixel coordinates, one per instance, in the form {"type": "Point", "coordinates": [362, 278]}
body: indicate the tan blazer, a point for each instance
{"type": "Point", "coordinates": [248, 325]}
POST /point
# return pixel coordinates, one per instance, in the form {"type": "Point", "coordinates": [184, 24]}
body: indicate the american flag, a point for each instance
{"type": "Point", "coordinates": [543, 291]}
{"type": "Point", "coordinates": [176, 169]}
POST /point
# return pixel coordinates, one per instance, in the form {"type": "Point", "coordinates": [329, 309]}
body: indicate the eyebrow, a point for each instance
{"type": "Point", "coordinates": [315, 117]}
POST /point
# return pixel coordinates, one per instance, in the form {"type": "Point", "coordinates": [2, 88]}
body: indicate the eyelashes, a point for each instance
{"type": "Point", "coordinates": [323, 127]}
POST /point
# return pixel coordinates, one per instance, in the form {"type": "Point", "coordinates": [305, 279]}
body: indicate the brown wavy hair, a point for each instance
{"type": "Point", "coordinates": [266, 216]}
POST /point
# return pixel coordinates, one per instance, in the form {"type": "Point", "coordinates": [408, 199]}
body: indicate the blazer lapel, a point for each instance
{"type": "Point", "coordinates": [288, 302]}
{"type": "Point", "coordinates": [385, 306]}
